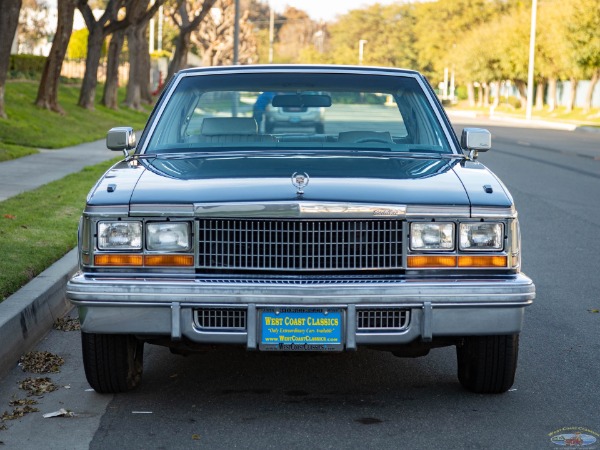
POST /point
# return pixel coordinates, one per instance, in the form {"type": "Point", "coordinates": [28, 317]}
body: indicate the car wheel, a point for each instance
{"type": "Point", "coordinates": [269, 127]}
{"type": "Point", "coordinates": [320, 128]}
{"type": "Point", "coordinates": [487, 364]}
{"type": "Point", "coordinates": [113, 363]}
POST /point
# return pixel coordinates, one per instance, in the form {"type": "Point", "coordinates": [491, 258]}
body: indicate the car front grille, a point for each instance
{"type": "Point", "coordinates": [231, 319]}
{"type": "Point", "coordinates": [382, 319]}
{"type": "Point", "coordinates": [300, 245]}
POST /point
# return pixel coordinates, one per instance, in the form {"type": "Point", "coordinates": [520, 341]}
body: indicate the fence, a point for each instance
{"type": "Point", "coordinates": [76, 69]}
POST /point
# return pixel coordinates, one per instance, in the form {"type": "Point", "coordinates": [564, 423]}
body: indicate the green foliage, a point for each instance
{"type": "Point", "coordinates": [584, 33]}
{"type": "Point", "coordinates": [26, 66]}
{"type": "Point", "coordinates": [77, 48]}
{"type": "Point", "coordinates": [39, 227]}
{"type": "Point", "coordinates": [30, 126]}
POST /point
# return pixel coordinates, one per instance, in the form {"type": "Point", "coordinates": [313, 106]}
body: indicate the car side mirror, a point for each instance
{"type": "Point", "coordinates": [121, 139]}
{"type": "Point", "coordinates": [475, 140]}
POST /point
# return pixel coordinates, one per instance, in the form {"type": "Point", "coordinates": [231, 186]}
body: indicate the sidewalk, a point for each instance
{"type": "Point", "coordinates": [27, 315]}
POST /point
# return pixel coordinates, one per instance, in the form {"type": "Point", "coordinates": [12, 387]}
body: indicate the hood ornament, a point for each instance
{"type": "Point", "coordinates": [300, 181]}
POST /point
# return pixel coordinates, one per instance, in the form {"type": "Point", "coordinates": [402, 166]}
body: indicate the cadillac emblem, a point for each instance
{"type": "Point", "coordinates": [300, 181]}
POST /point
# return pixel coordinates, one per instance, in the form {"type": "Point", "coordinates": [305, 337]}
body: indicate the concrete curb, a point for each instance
{"type": "Point", "coordinates": [27, 315]}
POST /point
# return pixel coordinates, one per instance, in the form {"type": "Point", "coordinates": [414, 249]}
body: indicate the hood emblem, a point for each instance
{"type": "Point", "coordinates": [300, 181]}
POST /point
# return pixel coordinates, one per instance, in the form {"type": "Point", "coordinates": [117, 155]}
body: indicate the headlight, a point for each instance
{"type": "Point", "coordinates": [432, 236]}
{"type": "Point", "coordinates": [168, 236]}
{"type": "Point", "coordinates": [120, 235]}
{"type": "Point", "coordinates": [481, 236]}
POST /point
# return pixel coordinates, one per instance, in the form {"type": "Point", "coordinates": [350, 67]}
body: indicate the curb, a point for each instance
{"type": "Point", "coordinates": [28, 314]}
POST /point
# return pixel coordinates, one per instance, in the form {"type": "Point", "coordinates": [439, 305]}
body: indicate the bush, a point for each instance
{"type": "Point", "coordinates": [514, 102]}
{"type": "Point", "coordinates": [27, 65]}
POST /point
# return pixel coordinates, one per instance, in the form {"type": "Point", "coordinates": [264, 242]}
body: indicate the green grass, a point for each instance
{"type": "Point", "coordinates": [576, 116]}
{"type": "Point", "coordinates": [30, 127]}
{"type": "Point", "coordinates": [39, 227]}
{"type": "Point", "coordinates": [10, 151]}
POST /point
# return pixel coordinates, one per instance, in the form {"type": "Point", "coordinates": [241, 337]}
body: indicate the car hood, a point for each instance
{"type": "Point", "coordinates": [331, 178]}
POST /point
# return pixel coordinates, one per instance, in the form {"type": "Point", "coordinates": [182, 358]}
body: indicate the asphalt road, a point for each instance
{"type": "Point", "coordinates": [369, 399]}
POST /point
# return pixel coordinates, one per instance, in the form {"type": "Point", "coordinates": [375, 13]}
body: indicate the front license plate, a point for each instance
{"type": "Point", "coordinates": [301, 329]}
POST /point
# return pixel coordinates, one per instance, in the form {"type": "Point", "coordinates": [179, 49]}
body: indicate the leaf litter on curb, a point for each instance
{"type": "Point", "coordinates": [37, 386]}
{"type": "Point", "coordinates": [67, 324]}
{"type": "Point", "coordinates": [17, 413]}
{"type": "Point", "coordinates": [41, 362]}
{"type": "Point", "coordinates": [22, 402]}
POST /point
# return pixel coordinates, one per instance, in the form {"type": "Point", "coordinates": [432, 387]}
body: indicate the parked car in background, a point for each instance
{"type": "Point", "coordinates": [384, 232]}
{"type": "Point", "coordinates": [292, 116]}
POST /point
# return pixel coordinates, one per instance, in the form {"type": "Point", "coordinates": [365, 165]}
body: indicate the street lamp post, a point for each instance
{"type": "Point", "coordinates": [361, 48]}
{"type": "Point", "coordinates": [531, 60]}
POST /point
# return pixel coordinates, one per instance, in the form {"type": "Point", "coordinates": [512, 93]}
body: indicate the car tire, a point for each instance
{"type": "Point", "coordinates": [487, 364]}
{"type": "Point", "coordinates": [113, 363]}
{"type": "Point", "coordinates": [320, 128]}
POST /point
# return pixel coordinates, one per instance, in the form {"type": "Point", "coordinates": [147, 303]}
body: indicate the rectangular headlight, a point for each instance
{"type": "Point", "coordinates": [431, 236]}
{"type": "Point", "coordinates": [481, 236]}
{"type": "Point", "coordinates": [168, 236]}
{"type": "Point", "coordinates": [120, 235]}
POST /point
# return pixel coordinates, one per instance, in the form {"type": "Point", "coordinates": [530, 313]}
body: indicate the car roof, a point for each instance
{"type": "Point", "coordinates": [312, 68]}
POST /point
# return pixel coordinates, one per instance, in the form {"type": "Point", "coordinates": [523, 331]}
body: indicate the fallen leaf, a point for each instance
{"type": "Point", "coordinates": [595, 311]}
{"type": "Point", "coordinates": [67, 324]}
{"type": "Point", "coordinates": [37, 386]}
{"type": "Point", "coordinates": [17, 413]}
{"type": "Point", "coordinates": [196, 437]}
{"type": "Point", "coordinates": [41, 362]}
{"type": "Point", "coordinates": [10, 216]}
{"type": "Point", "coordinates": [22, 402]}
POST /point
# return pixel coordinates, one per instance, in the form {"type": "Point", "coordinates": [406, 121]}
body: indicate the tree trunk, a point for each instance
{"type": "Point", "coordinates": [552, 94]}
{"type": "Point", "coordinates": [590, 91]}
{"type": "Point", "coordinates": [497, 96]}
{"type": "Point", "coordinates": [539, 95]}
{"type": "Point", "coordinates": [572, 94]}
{"type": "Point", "coordinates": [9, 20]}
{"type": "Point", "coordinates": [486, 95]}
{"type": "Point", "coordinates": [144, 65]}
{"type": "Point", "coordinates": [110, 96]}
{"type": "Point", "coordinates": [179, 61]}
{"type": "Point", "coordinates": [522, 88]}
{"type": "Point", "coordinates": [479, 95]}
{"type": "Point", "coordinates": [47, 96]}
{"type": "Point", "coordinates": [471, 94]}
{"type": "Point", "coordinates": [133, 99]}
{"type": "Point", "coordinates": [92, 62]}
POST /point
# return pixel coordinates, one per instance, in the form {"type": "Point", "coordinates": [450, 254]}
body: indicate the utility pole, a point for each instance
{"type": "Point", "coordinates": [531, 60]}
{"type": "Point", "coordinates": [361, 49]}
{"type": "Point", "coordinates": [236, 34]}
{"type": "Point", "coordinates": [271, 32]}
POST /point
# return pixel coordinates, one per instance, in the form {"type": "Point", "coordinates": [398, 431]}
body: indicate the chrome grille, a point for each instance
{"type": "Point", "coordinates": [220, 318]}
{"type": "Point", "coordinates": [308, 245]}
{"type": "Point", "coordinates": [382, 319]}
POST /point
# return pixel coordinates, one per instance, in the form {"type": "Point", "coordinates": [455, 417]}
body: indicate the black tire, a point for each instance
{"type": "Point", "coordinates": [487, 364]}
{"type": "Point", "coordinates": [113, 363]}
{"type": "Point", "coordinates": [320, 128]}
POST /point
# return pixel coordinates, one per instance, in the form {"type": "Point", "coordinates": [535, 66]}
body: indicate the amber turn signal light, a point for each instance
{"type": "Point", "coordinates": [119, 260]}
{"type": "Point", "coordinates": [482, 261]}
{"type": "Point", "coordinates": [169, 260]}
{"type": "Point", "coordinates": [114, 260]}
{"type": "Point", "coordinates": [431, 261]}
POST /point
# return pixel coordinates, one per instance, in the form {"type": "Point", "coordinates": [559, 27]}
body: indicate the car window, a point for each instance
{"type": "Point", "coordinates": [337, 111]}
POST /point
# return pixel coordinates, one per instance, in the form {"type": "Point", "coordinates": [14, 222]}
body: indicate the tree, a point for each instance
{"type": "Point", "coordinates": [8, 26]}
{"type": "Point", "coordinates": [47, 96]}
{"type": "Point", "coordinates": [584, 40]}
{"type": "Point", "coordinates": [181, 17]}
{"type": "Point", "coordinates": [214, 37]}
{"type": "Point", "coordinates": [98, 31]}
{"type": "Point", "coordinates": [138, 87]}
{"type": "Point", "coordinates": [295, 34]}
{"type": "Point", "coordinates": [34, 29]}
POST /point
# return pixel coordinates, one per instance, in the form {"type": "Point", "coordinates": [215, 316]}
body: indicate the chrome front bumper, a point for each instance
{"type": "Point", "coordinates": [441, 308]}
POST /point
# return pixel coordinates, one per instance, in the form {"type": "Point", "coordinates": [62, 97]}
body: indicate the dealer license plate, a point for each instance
{"type": "Point", "coordinates": [301, 329]}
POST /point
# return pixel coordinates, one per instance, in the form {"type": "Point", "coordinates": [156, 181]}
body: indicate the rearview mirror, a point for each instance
{"type": "Point", "coordinates": [302, 101]}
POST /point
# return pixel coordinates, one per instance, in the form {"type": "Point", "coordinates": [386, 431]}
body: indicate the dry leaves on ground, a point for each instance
{"type": "Point", "coordinates": [17, 413]}
{"type": "Point", "coordinates": [37, 386]}
{"type": "Point", "coordinates": [41, 362]}
{"type": "Point", "coordinates": [22, 402]}
{"type": "Point", "coordinates": [67, 324]}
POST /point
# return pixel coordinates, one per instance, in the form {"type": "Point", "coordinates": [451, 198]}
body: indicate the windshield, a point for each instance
{"type": "Point", "coordinates": [298, 110]}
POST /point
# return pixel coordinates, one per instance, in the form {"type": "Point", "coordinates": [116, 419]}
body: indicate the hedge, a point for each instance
{"type": "Point", "coordinates": [26, 64]}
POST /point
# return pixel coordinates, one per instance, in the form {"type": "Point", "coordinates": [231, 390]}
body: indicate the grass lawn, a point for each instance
{"type": "Point", "coordinates": [29, 128]}
{"type": "Point", "coordinates": [560, 114]}
{"type": "Point", "coordinates": [39, 227]}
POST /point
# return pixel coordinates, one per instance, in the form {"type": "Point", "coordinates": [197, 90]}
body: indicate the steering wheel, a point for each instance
{"type": "Point", "coordinates": [372, 139]}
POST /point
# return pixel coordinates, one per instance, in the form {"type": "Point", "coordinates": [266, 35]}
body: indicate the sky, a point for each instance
{"type": "Point", "coordinates": [326, 10]}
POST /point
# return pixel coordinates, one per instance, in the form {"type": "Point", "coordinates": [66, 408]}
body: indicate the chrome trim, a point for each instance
{"type": "Point", "coordinates": [494, 213]}
{"type": "Point", "coordinates": [158, 210]}
{"type": "Point", "coordinates": [299, 209]}
{"type": "Point", "coordinates": [433, 211]}
{"type": "Point", "coordinates": [106, 211]}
